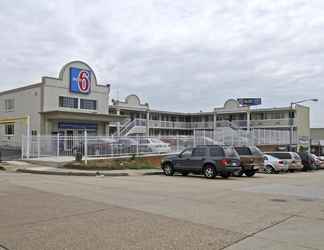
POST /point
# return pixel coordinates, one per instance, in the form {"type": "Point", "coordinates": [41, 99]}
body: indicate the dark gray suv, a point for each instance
{"type": "Point", "coordinates": [209, 160]}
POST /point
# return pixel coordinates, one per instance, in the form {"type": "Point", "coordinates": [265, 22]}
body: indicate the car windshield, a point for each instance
{"type": "Point", "coordinates": [296, 156]}
{"type": "Point", "coordinates": [256, 151]}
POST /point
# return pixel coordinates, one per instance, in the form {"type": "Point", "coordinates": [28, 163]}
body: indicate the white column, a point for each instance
{"type": "Point", "coordinates": [248, 119]}
{"type": "Point", "coordinates": [107, 129]}
{"type": "Point", "coordinates": [85, 147]}
{"type": "Point", "coordinates": [214, 125]}
{"type": "Point", "coordinates": [147, 123]}
{"type": "Point", "coordinates": [58, 144]}
{"type": "Point", "coordinates": [28, 139]}
{"type": "Point", "coordinates": [118, 123]}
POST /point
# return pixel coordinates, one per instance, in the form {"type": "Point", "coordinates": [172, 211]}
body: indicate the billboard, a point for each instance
{"type": "Point", "coordinates": [249, 101]}
{"type": "Point", "coordinates": [80, 80]}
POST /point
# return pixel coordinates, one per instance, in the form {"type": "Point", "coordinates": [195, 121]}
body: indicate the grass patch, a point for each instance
{"type": "Point", "coordinates": [113, 164]}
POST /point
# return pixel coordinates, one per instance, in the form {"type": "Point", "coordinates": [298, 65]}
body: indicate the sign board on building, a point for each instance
{"type": "Point", "coordinates": [249, 101]}
{"type": "Point", "coordinates": [80, 80]}
{"type": "Point", "coordinates": [71, 125]}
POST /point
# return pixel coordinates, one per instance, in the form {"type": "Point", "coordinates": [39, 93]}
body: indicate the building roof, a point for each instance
{"type": "Point", "coordinates": [30, 86]}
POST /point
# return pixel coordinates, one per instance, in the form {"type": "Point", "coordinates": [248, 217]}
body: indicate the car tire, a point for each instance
{"type": "Point", "coordinates": [291, 170]}
{"type": "Point", "coordinates": [168, 169]}
{"type": "Point", "coordinates": [238, 173]}
{"type": "Point", "coordinates": [209, 171]}
{"type": "Point", "coordinates": [225, 175]}
{"type": "Point", "coordinates": [269, 169]}
{"type": "Point", "coordinates": [249, 173]}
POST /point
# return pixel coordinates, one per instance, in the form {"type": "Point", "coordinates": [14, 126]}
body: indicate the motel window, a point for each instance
{"type": "Point", "coordinates": [9, 105]}
{"type": "Point", "coordinates": [68, 102]}
{"type": "Point", "coordinates": [9, 129]}
{"type": "Point", "coordinates": [88, 104]}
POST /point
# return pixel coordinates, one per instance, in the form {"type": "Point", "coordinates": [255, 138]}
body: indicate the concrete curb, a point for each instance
{"type": "Point", "coordinates": [153, 173]}
{"type": "Point", "coordinates": [46, 163]}
{"type": "Point", "coordinates": [44, 172]}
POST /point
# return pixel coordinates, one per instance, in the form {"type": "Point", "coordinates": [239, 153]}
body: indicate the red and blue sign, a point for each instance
{"type": "Point", "coordinates": [80, 81]}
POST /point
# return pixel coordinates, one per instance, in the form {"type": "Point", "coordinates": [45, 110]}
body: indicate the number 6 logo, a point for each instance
{"type": "Point", "coordinates": [84, 81]}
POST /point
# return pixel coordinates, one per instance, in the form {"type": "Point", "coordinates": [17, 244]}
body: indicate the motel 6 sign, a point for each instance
{"type": "Point", "coordinates": [80, 81]}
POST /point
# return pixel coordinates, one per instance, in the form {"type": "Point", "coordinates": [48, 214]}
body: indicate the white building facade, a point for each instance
{"type": "Point", "coordinates": [70, 104]}
{"type": "Point", "coordinates": [75, 102]}
{"type": "Point", "coordinates": [151, 122]}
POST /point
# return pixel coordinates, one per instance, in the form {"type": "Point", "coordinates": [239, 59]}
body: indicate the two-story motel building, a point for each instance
{"type": "Point", "coordinates": [74, 102]}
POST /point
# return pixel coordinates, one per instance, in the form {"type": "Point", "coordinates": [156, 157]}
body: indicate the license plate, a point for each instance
{"type": "Point", "coordinates": [234, 164]}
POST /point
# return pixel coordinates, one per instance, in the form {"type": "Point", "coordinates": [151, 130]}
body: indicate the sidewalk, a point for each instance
{"type": "Point", "coordinates": [24, 167]}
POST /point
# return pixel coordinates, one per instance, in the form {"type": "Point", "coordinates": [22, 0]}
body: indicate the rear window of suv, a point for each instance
{"type": "Point", "coordinates": [281, 155]}
{"type": "Point", "coordinates": [243, 150]}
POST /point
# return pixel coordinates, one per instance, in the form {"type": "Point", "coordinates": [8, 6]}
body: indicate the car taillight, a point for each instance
{"type": "Point", "coordinates": [225, 162]}
{"type": "Point", "coordinates": [280, 162]}
{"type": "Point", "coordinates": [293, 162]}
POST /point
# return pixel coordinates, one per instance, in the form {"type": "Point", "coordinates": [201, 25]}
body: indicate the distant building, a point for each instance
{"type": "Point", "coordinates": [144, 120]}
{"type": "Point", "coordinates": [75, 102]}
{"type": "Point", "coordinates": [317, 141]}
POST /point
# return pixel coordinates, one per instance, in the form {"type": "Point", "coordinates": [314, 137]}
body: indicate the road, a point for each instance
{"type": "Point", "coordinates": [283, 211]}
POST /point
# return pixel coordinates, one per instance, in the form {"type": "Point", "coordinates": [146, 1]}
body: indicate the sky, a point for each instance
{"type": "Point", "coordinates": [182, 55]}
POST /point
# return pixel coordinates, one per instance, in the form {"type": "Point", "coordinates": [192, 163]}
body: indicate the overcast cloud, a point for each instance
{"type": "Point", "coordinates": [181, 55]}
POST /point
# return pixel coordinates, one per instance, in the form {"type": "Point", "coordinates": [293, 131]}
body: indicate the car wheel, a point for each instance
{"type": "Point", "coordinates": [238, 173]}
{"type": "Point", "coordinates": [210, 172]}
{"type": "Point", "coordinates": [249, 173]}
{"type": "Point", "coordinates": [225, 175]}
{"type": "Point", "coordinates": [291, 170]}
{"type": "Point", "coordinates": [168, 169]}
{"type": "Point", "coordinates": [269, 169]}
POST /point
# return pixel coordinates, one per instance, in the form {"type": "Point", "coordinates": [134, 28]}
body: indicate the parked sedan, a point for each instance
{"type": "Point", "coordinates": [291, 158]}
{"type": "Point", "coordinates": [96, 147]}
{"type": "Point", "coordinates": [274, 165]}
{"type": "Point", "coordinates": [153, 145]}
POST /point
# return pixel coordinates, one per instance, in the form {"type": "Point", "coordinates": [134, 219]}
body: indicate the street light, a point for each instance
{"type": "Point", "coordinates": [291, 118]}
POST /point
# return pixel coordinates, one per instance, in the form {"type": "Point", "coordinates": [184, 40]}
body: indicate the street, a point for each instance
{"type": "Point", "coordinates": [284, 211]}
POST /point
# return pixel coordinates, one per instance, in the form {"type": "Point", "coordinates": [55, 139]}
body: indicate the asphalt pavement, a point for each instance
{"type": "Point", "coordinates": [283, 211]}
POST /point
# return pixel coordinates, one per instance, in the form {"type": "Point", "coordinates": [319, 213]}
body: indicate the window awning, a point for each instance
{"type": "Point", "coordinates": [81, 116]}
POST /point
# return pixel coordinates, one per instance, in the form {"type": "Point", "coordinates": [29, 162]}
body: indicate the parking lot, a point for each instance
{"type": "Point", "coordinates": [284, 211]}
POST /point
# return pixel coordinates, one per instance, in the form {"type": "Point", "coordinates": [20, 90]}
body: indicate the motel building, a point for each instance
{"type": "Point", "coordinates": [75, 102]}
{"type": "Point", "coordinates": [67, 105]}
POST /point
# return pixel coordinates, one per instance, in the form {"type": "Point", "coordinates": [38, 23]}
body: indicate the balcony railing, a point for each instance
{"type": "Point", "coordinates": [264, 123]}
{"type": "Point", "coordinates": [210, 124]}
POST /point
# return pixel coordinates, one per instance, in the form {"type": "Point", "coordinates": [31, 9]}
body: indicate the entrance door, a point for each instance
{"type": "Point", "coordinates": [69, 140]}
